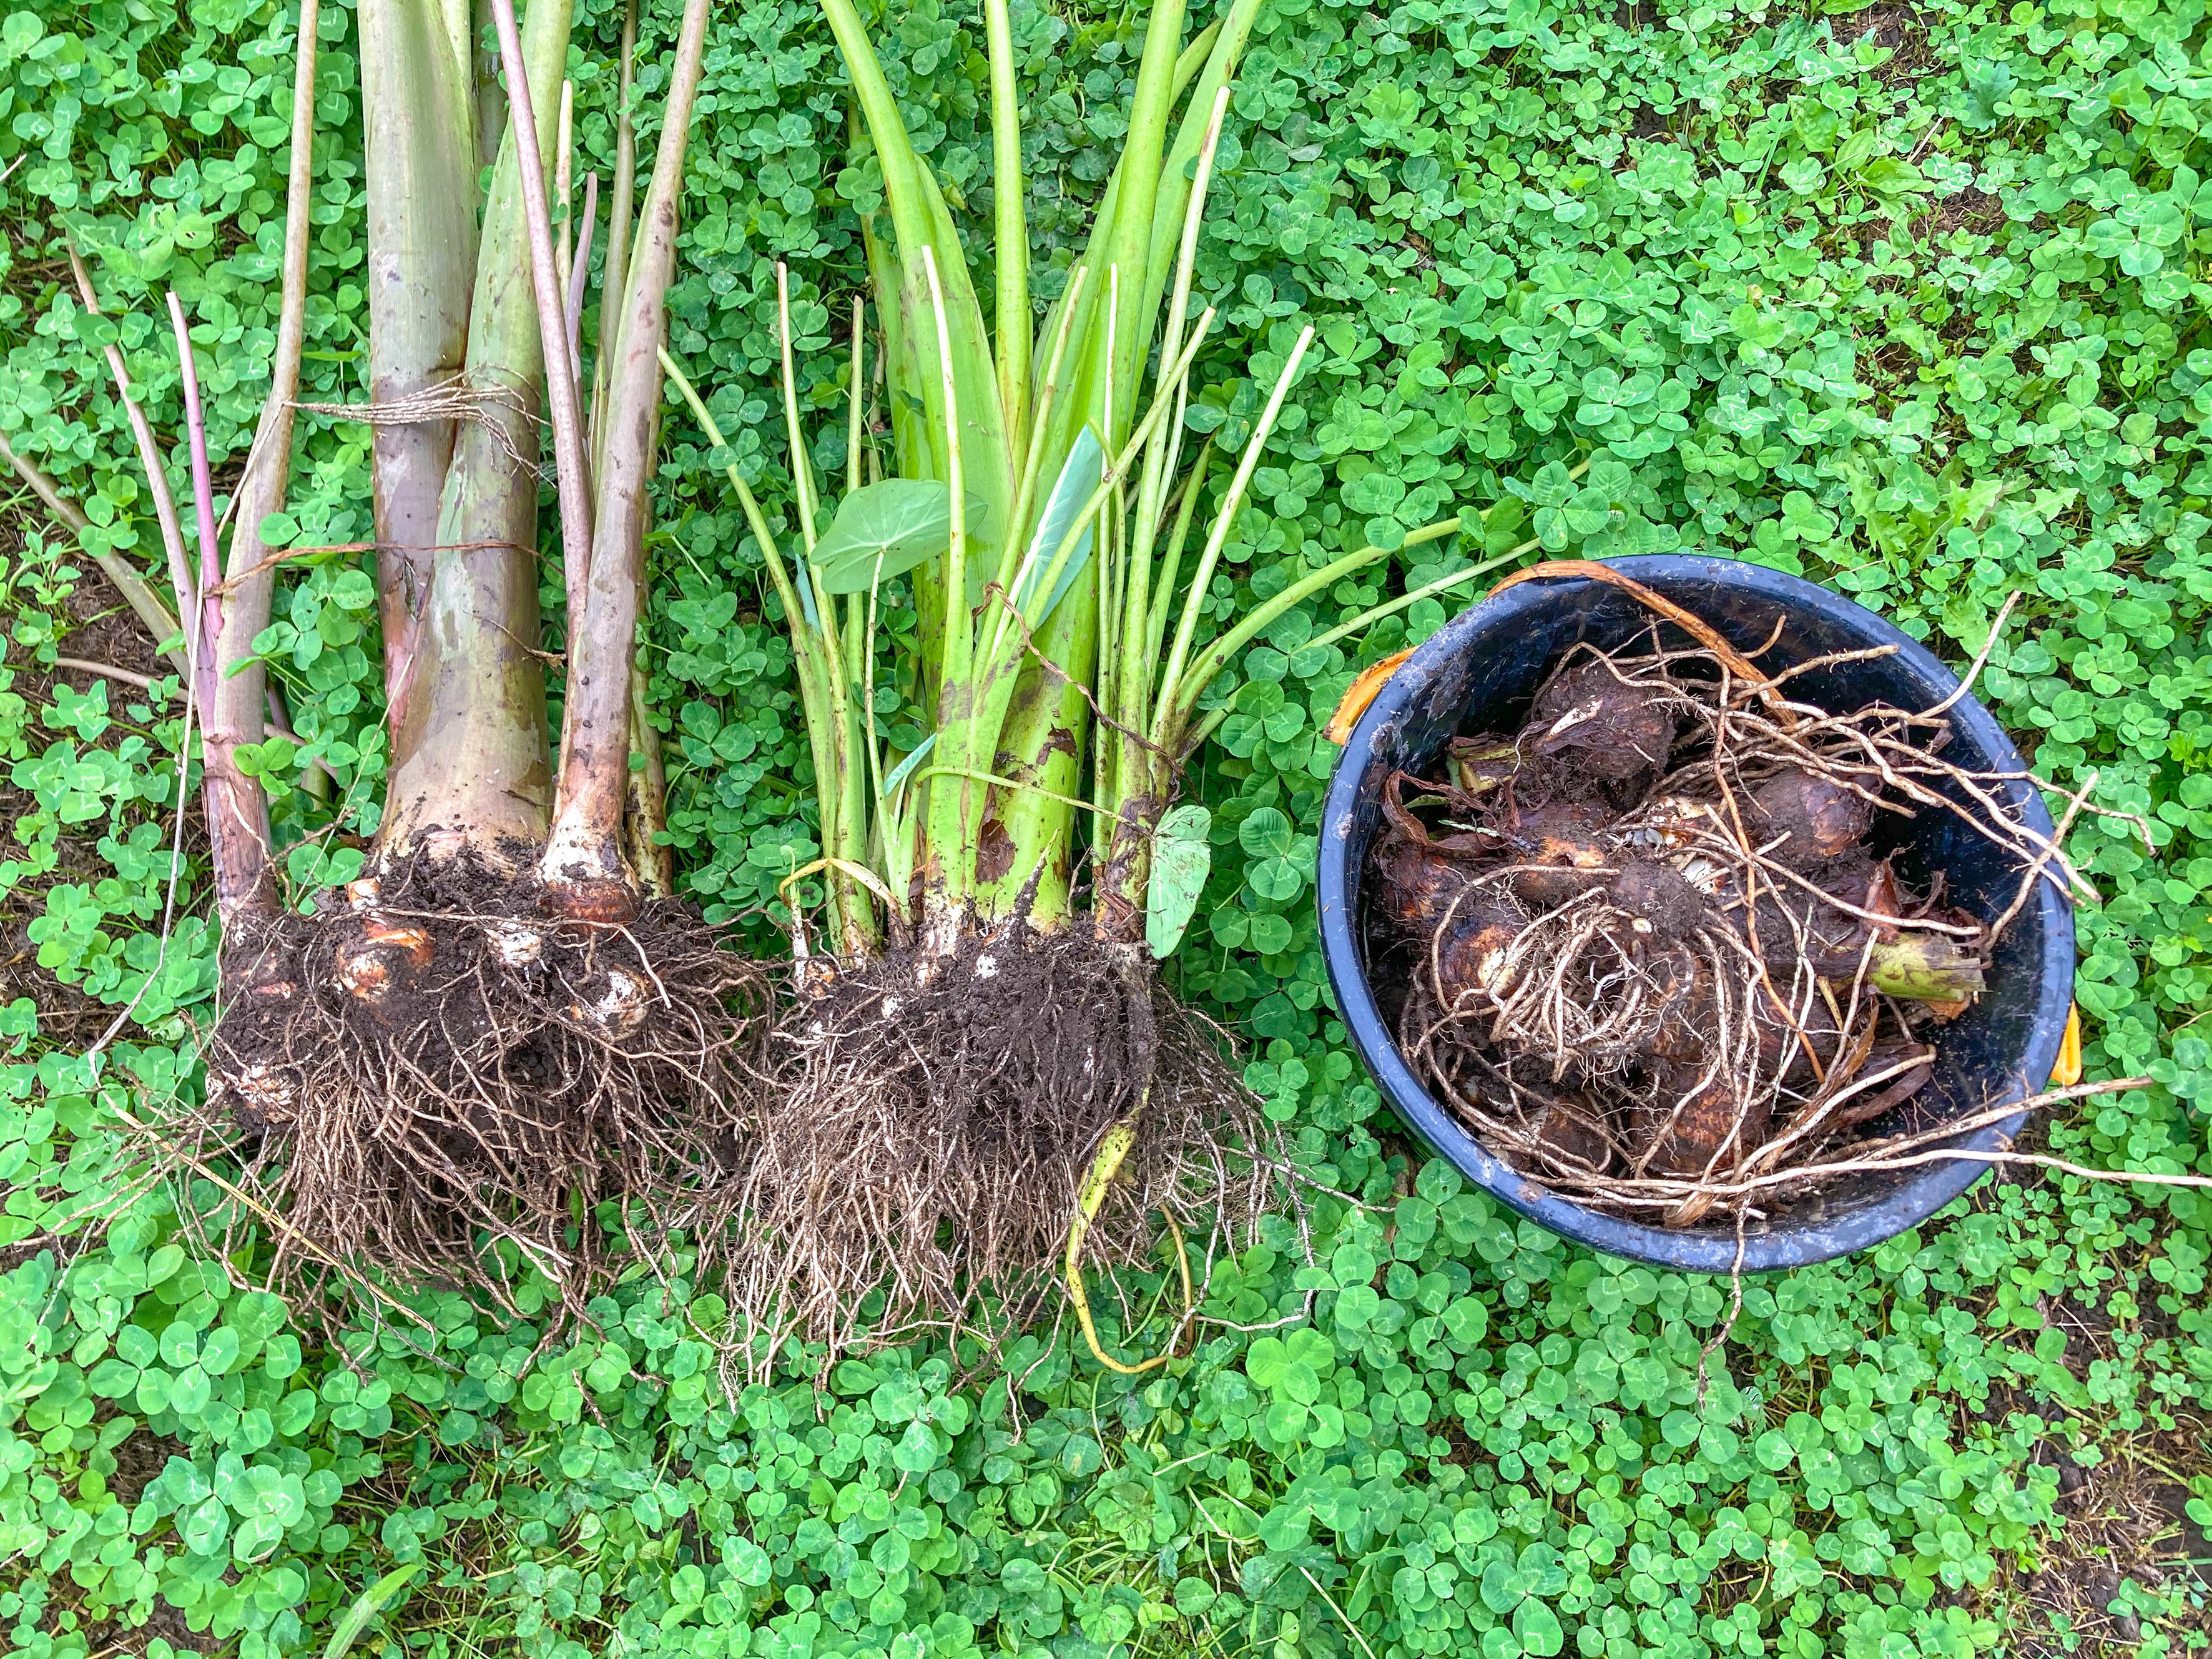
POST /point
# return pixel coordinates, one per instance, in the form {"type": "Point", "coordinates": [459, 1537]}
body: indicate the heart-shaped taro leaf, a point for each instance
{"type": "Point", "coordinates": [1181, 858]}
{"type": "Point", "coordinates": [884, 530]}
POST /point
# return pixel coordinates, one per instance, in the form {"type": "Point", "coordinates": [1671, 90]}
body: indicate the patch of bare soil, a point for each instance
{"type": "Point", "coordinates": [2125, 1522]}
{"type": "Point", "coordinates": [139, 1461]}
{"type": "Point", "coordinates": [113, 1638]}
{"type": "Point", "coordinates": [1973, 210]}
{"type": "Point", "coordinates": [65, 1248]}
{"type": "Point", "coordinates": [1899, 29]}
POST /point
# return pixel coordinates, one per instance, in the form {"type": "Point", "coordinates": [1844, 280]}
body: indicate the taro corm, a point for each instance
{"type": "Point", "coordinates": [508, 1018]}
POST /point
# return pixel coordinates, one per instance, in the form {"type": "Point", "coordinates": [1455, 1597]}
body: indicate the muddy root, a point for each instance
{"type": "Point", "coordinates": [435, 1081]}
{"type": "Point", "coordinates": [922, 1153]}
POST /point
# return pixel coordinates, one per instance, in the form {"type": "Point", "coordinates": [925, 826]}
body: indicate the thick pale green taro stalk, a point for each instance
{"type": "Point", "coordinates": [500, 1023]}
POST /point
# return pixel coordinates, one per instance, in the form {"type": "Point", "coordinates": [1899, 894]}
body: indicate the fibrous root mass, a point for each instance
{"type": "Point", "coordinates": [434, 1061]}
{"type": "Point", "coordinates": [935, 1119]}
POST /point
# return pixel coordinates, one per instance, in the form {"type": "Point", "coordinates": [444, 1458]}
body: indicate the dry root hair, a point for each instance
{"type": "Point", "coordinates": [436, 1082]}
{"type": "Point", "coordinates": [921, 1157]}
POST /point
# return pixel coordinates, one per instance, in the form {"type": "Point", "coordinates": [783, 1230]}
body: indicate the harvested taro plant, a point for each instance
{"type": "Point", "coordinates": [1649, 947]}
{"type": "Point", "coordinates": [981, 1080]}
{"type": "Point", "coordinates": [437, 1072]}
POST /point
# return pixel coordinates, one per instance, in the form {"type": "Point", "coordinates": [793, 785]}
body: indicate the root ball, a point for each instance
{"type": "Point", "coordinates": [437, 1062]}
{"type": "Point", "coordinates": [923, 1151]}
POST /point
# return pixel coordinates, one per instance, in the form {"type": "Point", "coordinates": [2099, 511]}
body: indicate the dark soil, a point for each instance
{"type": "Point", "coordinates": [437, 1063]}
{"type": "Point", "coordinates": [2123, 1519]}
{"type": "Point", "coordinates": [65, 1248]}
{"type": "Point", "coordinates": [1972, 209]}
{"type": "Point", "coordinates": [139, 1461]}
{"type": "Point", "coordinates": [1899, 28]}
{"type": "Point", "coordinates": [932, 1126]}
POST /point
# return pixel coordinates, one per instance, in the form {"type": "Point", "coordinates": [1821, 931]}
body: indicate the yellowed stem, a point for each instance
{"type": "Point", "coordinates": [1104, 1167]}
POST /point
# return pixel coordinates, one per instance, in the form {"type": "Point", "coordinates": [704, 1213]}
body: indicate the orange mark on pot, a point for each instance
{"type": "Point", "coordinates": [2066, 1070]}
{"type": "Point", "coordinates": [1359, 694]}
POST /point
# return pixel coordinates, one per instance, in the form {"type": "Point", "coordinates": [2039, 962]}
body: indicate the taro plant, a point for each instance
{"type": "Point", "coordinates": [982, 1074]}
{"type": "Point", "coordinates": [505, 1017]}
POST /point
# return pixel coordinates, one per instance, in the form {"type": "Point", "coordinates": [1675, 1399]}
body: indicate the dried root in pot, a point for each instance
{"type": "Point", "coordinates": [1647, 946]}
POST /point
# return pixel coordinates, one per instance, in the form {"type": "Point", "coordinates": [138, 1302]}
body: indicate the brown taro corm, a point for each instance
{"type": "Point", "coordinates": [1611, 735]}
{"type": "Point", "coordinates": [1804, 821]}
{"type": "Point", "coordinates": [1716, 959]}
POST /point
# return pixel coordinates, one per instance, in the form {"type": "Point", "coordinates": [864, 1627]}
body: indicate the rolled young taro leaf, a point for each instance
{"type": "Point", "coordinates": [1078, 481]}
{"type": "Point", "coordinates": [1479, 765]}
{"type": "Point", "coordinates": [898, 775]}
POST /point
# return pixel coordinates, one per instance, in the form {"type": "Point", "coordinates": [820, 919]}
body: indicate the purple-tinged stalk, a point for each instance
{"type": "Point", "coordinates": [234, 687]}
{"type": "Point", "coordinates": [505, 1020]}
{"type": "Point", "coordinates": [419, 121]}
{"type": "Point", "coordinates": [572, 470]}
{"type": "Point", "coordinates": [237, 810]}
{"type": "Point", "coordinates": [584, 870]}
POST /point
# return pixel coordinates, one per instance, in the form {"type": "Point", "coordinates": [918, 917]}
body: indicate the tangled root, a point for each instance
{"type": "Point", "coordinates": [1650, 950]}
{"type": "Point", "coordinates": [933, 1124]}
{"type": "Point", "coordinates": [441, 1059]}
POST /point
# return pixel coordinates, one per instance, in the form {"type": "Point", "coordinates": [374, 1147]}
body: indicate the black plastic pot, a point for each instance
{"type": "Point", "coordinates": [1480, 674]}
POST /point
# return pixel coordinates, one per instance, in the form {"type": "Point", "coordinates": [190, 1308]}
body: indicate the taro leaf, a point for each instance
{"type": "Point", "coordinates": [366, 1606]}
{"type": "Point", "coordinates": [1077, 484]}
{"type": "Point", "coordinates": [805, 583]}
{"type": "Point", "coordinates": [1181, 855]}
{"type": "Point", "coordinates": [882, 531]}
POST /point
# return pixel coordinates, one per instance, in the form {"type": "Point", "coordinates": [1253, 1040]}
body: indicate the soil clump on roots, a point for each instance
{"type": "Point", "coordinates": [435, 1064]}
{"type": "Point", "coordinates": [934, 1122]}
